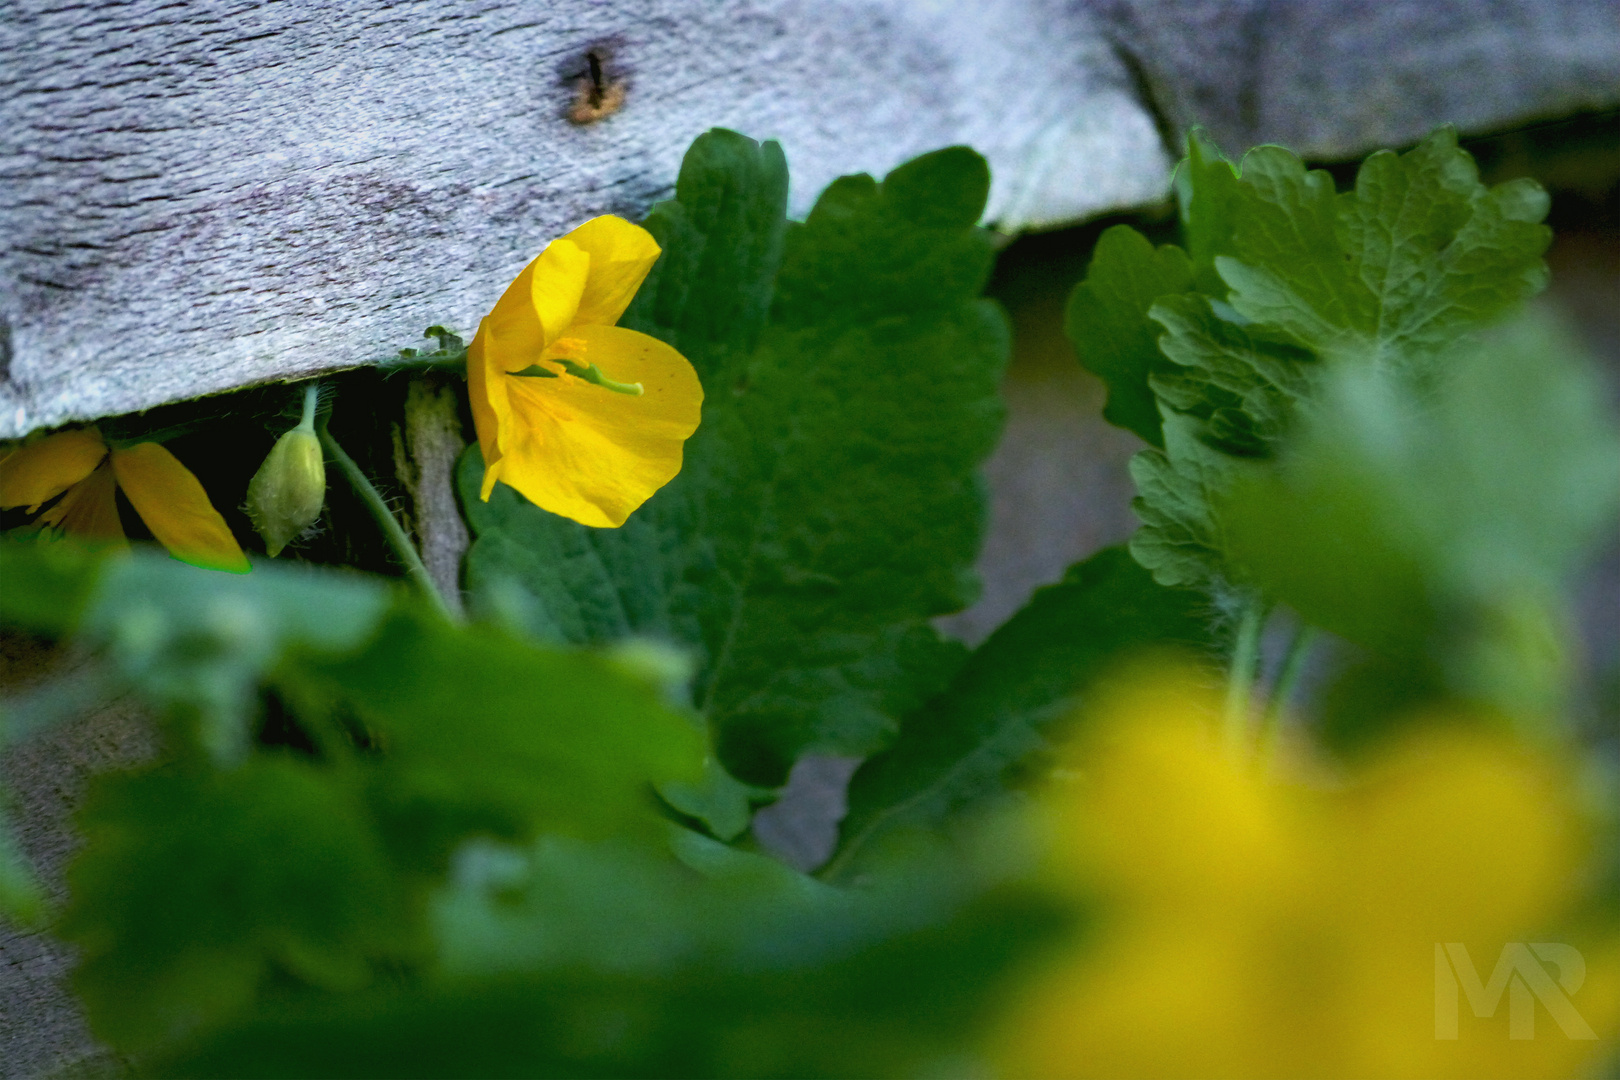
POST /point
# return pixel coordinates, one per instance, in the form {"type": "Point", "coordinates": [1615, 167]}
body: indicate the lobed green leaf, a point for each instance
{"type": "Point", "coordinates": [988, 731]}
{"type": "Point", "coordinates": [1107, 321]}
{"type": "Point", "coordinates": [1392, 272]}
{"type": "Point", "coordinates": [1288, 279]}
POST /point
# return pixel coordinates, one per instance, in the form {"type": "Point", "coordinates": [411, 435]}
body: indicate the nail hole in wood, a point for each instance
{"type": "Point", "coordinates": [598, 92]}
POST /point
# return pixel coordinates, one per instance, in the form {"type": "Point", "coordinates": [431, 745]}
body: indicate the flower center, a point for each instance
{"type": "Point", "coordinates": [567, 354]}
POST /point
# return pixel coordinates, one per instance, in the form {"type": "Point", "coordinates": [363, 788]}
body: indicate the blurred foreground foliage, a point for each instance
{"type": "Point", "coordinates": [440, 826]}
{"type": "Point", "coordinates": [375, 842]}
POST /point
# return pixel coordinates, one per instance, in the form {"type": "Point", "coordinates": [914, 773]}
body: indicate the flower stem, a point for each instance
{"type": "Point", "coordinates": [1241, 676]}
{"type": "Point", "coordinates": [398, 542]}
{"type": "Point", "coordinates": [312, 394]}
{"type": "Point", "coordinates": [1293, 665]}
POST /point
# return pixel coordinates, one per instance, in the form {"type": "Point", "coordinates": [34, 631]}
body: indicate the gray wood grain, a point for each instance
{"type": "Point", "coordinates": [1333, 79]}
{"type": "Point", "coordinates": [199, 196]}
{"type": "Point", "coordinates": [43, 780]}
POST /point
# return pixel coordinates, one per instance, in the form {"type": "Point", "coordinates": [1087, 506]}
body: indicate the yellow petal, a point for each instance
{"type": "Point", "coordinates": [534, 311]}
{"type": "Point", "coordinates": [40, 471]}
{"type": "Point", "coordinates": [486, 393]}
{"type": "Point", "coordinates": [89, 511]}
{"type": "Point", "coordinates": [591, 454]}
{"type": "Point", "coordinates": [558, 278]}
{"type": "Point", "coordinates": [621, 255]}
{"type": "Point", "coordinates": [1456, 833]}
{"type": "Point", "coordinates": [539, 304]}
{"type": "Point", "coordinates": [176, 508]}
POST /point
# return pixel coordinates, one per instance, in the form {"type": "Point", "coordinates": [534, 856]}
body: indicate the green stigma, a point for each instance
{"type": "Point", "coordinates": [588, 372]}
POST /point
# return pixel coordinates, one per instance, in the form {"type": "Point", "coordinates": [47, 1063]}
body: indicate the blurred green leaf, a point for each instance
{"type": "Point", "coordinates": [618, 963]}
{"type": "Point", "coordinates": [45, 586]}
{"type": "Point", "coordinates": [828, 506]}
{"type": "Point", "coordinates": [614, 907]}
{"type": "Point", "coordinates": [482, 731]}
{"type": "Point", "coordinates": [1452, 520]}
{"type": "Point", "coordinates": [1107, 320]}
{"type": "Point", "coordinates": [196, 644]}
{"type": "Point", "coordinates": [1372, 698]}
{"type": "Point", "coordinates": [989, 730]}
{"type": "Point", "coordinates": [724, 804]}
{"type": "Point", "coordinates": [195, 888]}
{"type": "Point", "coordinates": [220, 878]}
{"type": "Point", "coordinates": [21, 899]}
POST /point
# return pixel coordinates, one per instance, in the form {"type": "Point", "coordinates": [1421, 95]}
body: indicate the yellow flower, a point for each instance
{"type": "Point", "coordinates": [584, 418]}
{"type": "Point", "coordinates": [1256, 923]}
{"type": "Point", "coordinates": [79, 466]}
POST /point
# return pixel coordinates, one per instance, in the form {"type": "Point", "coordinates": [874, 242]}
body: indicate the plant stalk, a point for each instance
{"type": "Point", "coordinates": [1235, 719]}
{"type": "Point", "coordinates": [1282, 692]}
{"type": "Point", "coordinates": [312, 395]}
{"type": "Point", "coordinates": [393, 533]}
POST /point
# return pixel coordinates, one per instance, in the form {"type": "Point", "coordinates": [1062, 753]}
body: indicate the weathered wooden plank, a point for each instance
{"type": "Point", "coordinates": [200, 196]}
{"type": "Point", "coordinates": [1334, 79]}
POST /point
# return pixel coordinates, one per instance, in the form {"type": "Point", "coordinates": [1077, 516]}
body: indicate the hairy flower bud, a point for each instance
{"type": "Point", "coordinates": [286, 494]}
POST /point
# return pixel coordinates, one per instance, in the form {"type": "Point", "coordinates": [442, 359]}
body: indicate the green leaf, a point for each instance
{"type": "Point", "coordinates": [602, 961]}
{"type": "Point", "coordinates": [195, 888]}
{"type": "Point", "coordinates": [482, 731]}
{"type": "Point", "coordinates": [1445, 524]}
{"type": "Point", "coordinates": [48, 584]}
{"type": "Point", "coordinates": [829, 504]}
{"type": "Point", "coordinates": [710, 291]}
{"type": "Point", "coordinates": [1108, 313]}
{"type": "Point", "coordinates": [1180, 491]}
{"type": "Point", "coordinates": [1206, 190]}
{"type": "Point", "coordinates": [21, 899]}
{"type": "Point", "coordinates": [1107, 319]}
{"type": "Point", "coordinates": [1390, 275]}
{"type": "Point", "coordinates": [620, 908]}
{"type": "Point", "coordinates": [196, 643]}
{"type": "Point", "coordinates": [208, 883]}
{"type": "Point", "coordinates": [724, 804]}
{"type": "Point", "coordinates": [1227, 402]}
{"type": "Point", "coordinates": [992, 726]}
{"type": "Point", "coordinates": [1239, 379]}
{"type": "Point", "coordinates": [1392, 272]}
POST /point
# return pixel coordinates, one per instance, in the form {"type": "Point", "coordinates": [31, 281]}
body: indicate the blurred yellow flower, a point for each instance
{"type": "Point", "coordinates": [86, 472]}
{"type": "Point", "coordinates": [584, 418]}
{"type": "Point", "coordinates": [1253, 923]}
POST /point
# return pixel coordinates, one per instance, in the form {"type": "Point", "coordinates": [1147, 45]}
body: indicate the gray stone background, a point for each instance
{"type": "Point", "coordinates": [196, 197]}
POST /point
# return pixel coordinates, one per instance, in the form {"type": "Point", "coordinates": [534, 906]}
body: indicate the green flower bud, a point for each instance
{"type": "Point", "coordinates": [286, 495]}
